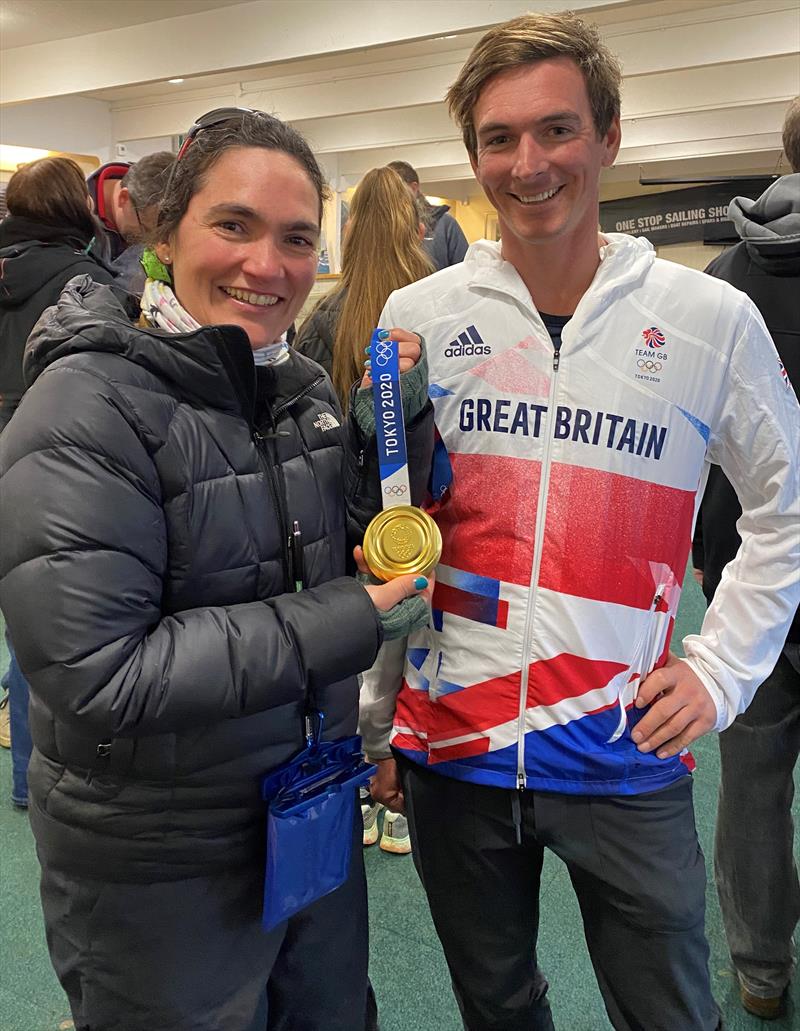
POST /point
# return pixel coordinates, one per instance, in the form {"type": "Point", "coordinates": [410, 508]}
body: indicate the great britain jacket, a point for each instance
{"type": "Point", "coordinates": [567, 486]}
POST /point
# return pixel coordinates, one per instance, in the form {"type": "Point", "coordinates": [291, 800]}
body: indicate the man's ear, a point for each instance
{"type": "Point", "coordinates": [612, 141]}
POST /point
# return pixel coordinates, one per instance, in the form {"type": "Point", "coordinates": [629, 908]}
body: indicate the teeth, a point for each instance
{"type": "Point", "coordinates": [540, 196]}
{"type": "Point", "coordinates": [265, 300]}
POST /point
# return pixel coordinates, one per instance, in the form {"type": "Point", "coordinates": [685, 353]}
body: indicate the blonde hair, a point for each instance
{"type": "Point", "coordinates": [791, 135]}
{"type": "Point", "coordinates": [526, 40]}
{"type": "Point", "coordinates": [382, 252]}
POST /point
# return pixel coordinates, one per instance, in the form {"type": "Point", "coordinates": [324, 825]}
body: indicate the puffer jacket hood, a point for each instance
{"type": "Point", "coordinates": [770, 226]}
{"type": "Point", "coordinates": [96, 318]}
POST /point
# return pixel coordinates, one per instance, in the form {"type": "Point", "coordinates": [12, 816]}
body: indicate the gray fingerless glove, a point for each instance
{"type": "Point", "coordinates": [413, 392]}
{"type": "Point", "coordinates": [403, 619]}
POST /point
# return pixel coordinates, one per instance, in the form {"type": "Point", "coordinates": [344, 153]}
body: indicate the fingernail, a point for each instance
{"type": "Point", "coordinates": [367, 363]}
{"type": "Point", "coordinates": [383, 334]}
{"type": "Point", "coordinates": [637, 736]}
{"type": "Point", "coordinates": [644, 748]}
{"type": "Point", "coordinates": [421, 583]}
{"type": "Point", "coordinates": [367, 349]}
{"type": "Point", "coordinates": [663, 755]}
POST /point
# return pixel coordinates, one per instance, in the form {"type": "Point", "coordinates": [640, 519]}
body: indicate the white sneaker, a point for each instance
{"type": "Point", "coordinates": [395, 837]}
{"type": "Point", "coordinates": [369, 814]}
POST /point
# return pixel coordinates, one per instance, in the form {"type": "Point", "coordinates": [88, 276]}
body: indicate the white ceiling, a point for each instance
{"type": "Point", "coordinates": [23, 22]}
{"type": "Point", "coordinates": [706, 84]}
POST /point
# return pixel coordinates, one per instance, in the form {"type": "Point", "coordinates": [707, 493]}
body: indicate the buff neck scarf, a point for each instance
{"type": "Point", "coordinates": [162, 310]}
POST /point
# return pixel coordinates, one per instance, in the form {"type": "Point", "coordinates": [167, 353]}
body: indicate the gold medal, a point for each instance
{"type": "Point", "coordinates": [401, 540]}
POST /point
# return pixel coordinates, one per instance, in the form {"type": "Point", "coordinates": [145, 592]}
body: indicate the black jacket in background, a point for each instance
{"type": "Point", "coordinates": [317, 334]}
{"type": "Point", "coordinates": [765, 266]}
{"type": "Point", "coordinates": [36, 263]}
{"type": "Point", "coordinates": [148, 483]}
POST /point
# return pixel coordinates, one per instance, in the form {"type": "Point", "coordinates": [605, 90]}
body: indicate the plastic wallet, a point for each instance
{"type": "Point", "coordinates": [310, 812]}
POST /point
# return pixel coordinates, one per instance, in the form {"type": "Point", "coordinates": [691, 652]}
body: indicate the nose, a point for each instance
{"type": "Point", "coordinates": [530, 158]}
{"type": "Point", "coordinates": [264, 259]}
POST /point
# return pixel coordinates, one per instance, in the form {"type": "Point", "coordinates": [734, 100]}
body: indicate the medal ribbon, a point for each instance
{"type": "Point", "coordinates": [390, 431]}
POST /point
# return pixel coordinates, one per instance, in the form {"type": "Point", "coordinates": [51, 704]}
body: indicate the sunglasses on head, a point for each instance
{"type": "Point", "coordinates": [210, 120]}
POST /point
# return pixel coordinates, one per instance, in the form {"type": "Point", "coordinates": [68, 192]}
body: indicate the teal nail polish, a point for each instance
{"type": "Point", "coordinates": [421, 583]}
{"type": "Point", "coordinates": [383, 335]}
{"type": "Point", "coordinates": [367, 363]}
{"type": "Point", "coordinates": [367, 349]}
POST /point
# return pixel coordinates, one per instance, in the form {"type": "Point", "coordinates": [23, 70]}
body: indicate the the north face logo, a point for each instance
{"type": "Point", "coordinates": [326, 421]}
{"type": "Point", "coordinates": [467, 343]}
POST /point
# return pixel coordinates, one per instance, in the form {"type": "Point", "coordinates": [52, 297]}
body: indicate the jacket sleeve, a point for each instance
{"type": "Point", "coordinates": [754, 440]}
{"type": "Point", "coordinates": [456, 242]}
{"type": "Point", "coordinates": [83, 557]}
{"type": "Point", "coordinates": [315, 338]}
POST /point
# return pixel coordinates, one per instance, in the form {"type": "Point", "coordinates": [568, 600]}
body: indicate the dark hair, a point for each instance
{"type": "Point", "coordinates": [791, 135]}
{"type": "Point", "coordinates": [148, 178]}
{"type": "Point", "coordinates": [248, 129]}
{"type": "Point", "coordinates": [405, 171]}
{"type": "Point", "coordinates": [526, 40]}
{"type": "Point", "coordinates": [52, 191]}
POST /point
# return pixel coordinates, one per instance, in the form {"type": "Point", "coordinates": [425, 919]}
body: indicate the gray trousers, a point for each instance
{"type": "Point", "coordinates": [754, 863]}
{"type": "Point", "coordinates": [191, 955]}
{"type": "Point", "coordinates": [637, 869]}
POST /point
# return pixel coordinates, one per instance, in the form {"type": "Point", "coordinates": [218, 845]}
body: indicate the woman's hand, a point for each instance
{"type": "Point", "coordinates": [386, 596]}
{"type": "Point", "coordinates": [409, 352]}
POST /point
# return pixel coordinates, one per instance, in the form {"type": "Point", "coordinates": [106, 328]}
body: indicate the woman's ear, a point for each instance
{"type": "Point", "coordinates": [164, 252]}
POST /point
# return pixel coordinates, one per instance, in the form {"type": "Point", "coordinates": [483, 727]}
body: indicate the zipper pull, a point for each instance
{"type": "Point", "coordinates": [296, 550]}
{"type": "Point", "coordinates": [556, 360]}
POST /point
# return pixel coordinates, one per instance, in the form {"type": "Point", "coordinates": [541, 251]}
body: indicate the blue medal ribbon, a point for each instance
{"type": "Point", "coordinates": [390, 431]}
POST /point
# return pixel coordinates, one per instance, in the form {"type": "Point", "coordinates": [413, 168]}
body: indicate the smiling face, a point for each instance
{"type": "Point", "coordinates": [245, 252]}
{"type": "Point", "coordinates": [539, 156]}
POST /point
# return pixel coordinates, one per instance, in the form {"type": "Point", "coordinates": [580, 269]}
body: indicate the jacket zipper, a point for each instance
{"type": "Point", "coordinates": [291, 557]}
{"type": "Point", "coordinates": [541, 512]}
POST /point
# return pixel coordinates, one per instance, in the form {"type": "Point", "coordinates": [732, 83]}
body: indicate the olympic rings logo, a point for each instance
{"type": "Point", "coordinates": [649, 366]}
{"type": "Point", "coordinates": [382, 352]}
{"type": "Point", "coordinates": [397, 489]}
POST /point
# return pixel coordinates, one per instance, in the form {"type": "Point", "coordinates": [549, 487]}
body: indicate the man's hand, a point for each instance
{"type": "Point", "coordinates": [386, 786]}
{"type": "Point", "coordinates": [409, 352]}
{"type": "Point", "coordinates": [682, 709]}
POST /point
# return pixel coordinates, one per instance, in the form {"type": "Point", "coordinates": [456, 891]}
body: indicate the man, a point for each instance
{"type": "Point", "coordinates": [126, 198]}
{"type": "Point", "coordinates": [145, 183]}
{"type": "Point", "coordinates": [754, 863]}
{"type": "Point", "coordinates": [581, 386]}
{"type": "Point", "coordinates": [444, 239]}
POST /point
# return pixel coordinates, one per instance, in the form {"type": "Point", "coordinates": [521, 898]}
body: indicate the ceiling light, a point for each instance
{"type": "Point", "coordinates": [175, 82]}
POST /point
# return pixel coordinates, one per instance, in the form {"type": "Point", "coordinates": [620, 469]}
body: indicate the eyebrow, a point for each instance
{"type": "Point", "coordinates": [557, 116]}
{"type": "Point", "coordinates": [230, 208]}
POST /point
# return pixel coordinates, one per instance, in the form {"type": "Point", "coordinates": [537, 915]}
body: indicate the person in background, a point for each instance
{"type": "Point", "coordinates": [144, 183]}
{"type": "Point", "coordinates": [444, 238]}
{"type": "Point", "coordinates": [754, 864]}
{"type": "Point", "coordinates": [172, 637]}
{"type": "Point", "coordinates": [382, 252]}
{"type": "Point", "coordinates": [581, 388]}
{"type": "Point", "coordinates": [126, 201]}
{"type": "Point", "coordinates": [44, 243]}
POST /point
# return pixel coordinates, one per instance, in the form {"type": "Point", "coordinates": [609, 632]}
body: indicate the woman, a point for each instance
{"type": "Point", "coordinates": [44, 242]}
{"type": "Point", "coordinates": [382, 252]}
{"type": "Point", "coordinates": [150, 484]}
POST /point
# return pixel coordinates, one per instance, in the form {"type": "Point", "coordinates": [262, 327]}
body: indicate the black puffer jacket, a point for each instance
{"type": "Point", "coordinates": [148, 483]}
{"type": "Point", "coordinates": [316, 336]}
{"type": "Point", "coordinates": [36, 263]}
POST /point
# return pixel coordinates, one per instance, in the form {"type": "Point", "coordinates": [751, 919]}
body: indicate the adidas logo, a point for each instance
{"type": "Point", "coordinates": [326, 421]}
{"type": "Point", "coordinates": [467, 343]}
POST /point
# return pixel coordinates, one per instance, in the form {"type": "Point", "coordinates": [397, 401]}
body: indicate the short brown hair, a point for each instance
{"type": "Point", "coordinates": [52, 191]}
{"type": "Point", "coordinates": [791, 135]}
{"type": "Point", "coordinates": [526, 40]}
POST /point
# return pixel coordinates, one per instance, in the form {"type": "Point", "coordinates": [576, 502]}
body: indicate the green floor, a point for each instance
{"type": "Point", "coordinates": [407, 966]}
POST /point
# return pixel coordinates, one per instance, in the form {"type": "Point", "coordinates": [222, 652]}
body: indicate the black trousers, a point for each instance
{"type": "Point", "coordinates": [191, 955]}
{"type": "Point", "coordinates": [639, 875]}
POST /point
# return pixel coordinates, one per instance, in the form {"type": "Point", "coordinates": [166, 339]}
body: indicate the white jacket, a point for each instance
{"type": "Point", "coordinates": [567, 523]}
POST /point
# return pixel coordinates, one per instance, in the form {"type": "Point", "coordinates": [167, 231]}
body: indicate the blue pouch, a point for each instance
{"type": "Point", "coordinates": [310, 812]}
